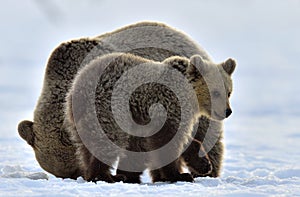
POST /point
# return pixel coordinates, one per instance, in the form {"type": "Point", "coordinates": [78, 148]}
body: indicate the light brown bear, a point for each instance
{"type": "Point", "coordinates": [210, 164]}
{"type": "Point", "coordinates": [203, 154]}
{"type": "Point", "coordinates": [47, 133]}
{"type": "Point", "coordinates": [93, 90]}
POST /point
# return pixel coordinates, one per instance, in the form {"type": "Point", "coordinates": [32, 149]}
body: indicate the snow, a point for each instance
{"type": "Point", "coordinates": [261, 137]}
{"type": "Point", "coordinates": [248, 171]}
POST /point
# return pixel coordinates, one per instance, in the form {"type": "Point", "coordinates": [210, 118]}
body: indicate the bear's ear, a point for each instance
{"type": "Point", "coordinates": [25, 129]}
{"type": "Point", "coordinates": [229, 66]}
{"type": "Point", "coordinates": [196, 62]}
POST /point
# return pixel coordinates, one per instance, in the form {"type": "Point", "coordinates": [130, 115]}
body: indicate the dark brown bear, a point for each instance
{"type": "Point", "coordinates": [47, 134]}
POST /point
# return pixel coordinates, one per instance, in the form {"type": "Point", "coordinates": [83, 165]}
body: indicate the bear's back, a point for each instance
{"type": "Point", "coordinates": [152, 40]}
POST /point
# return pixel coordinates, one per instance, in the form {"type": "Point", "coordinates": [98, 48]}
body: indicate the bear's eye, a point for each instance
{"type": "Point", "coordinates": [229, 93]}
{"type": "Point", "coordinates": [216, 94]}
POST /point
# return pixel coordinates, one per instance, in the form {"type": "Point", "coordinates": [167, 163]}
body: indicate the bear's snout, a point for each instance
{"type": "Point", "coordinates": [228, 112]}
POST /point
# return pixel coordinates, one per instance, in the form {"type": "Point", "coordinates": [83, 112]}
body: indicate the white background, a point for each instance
{"type": "Point", "coordinates": [262, 136]}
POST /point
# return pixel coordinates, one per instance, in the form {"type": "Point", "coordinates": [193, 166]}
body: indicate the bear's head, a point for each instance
{"type": "Point", "coordinates": [56, 156]}
{"type": "Point", "coordinates": [212, 83]}
{"type": "Point", "coordinates": [25, 129]}
{"type": "Point", "coordinates": [28, 131]}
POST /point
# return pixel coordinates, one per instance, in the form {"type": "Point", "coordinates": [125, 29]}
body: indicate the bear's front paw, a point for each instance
{"type": "Point", "coordinates": [159, 179]}
{"type": "Point", "coordinates": [103, 177]}
{"type": "Point", "coordinates": [119, 177]}
{"type": "Point", "coordinates": [133, 180]}
{"type": "Point", "coordinates": [202, 168]}
{"type": "Point", "coordinates": [186, 177]}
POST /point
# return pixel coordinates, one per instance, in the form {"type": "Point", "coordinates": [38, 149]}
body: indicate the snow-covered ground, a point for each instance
{"type": "Point", "coordinates": [262, 136]}
{"type": "Point", "coordinates": [260, 160]}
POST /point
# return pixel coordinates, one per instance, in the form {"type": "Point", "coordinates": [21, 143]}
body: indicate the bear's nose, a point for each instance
{"type": "Point", "coordinates": [228, 112]}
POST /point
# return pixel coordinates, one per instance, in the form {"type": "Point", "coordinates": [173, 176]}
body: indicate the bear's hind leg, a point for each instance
{"type": "Point", "coordinates": [130, 177]}
{"type": "Point", "coordinates": [95, 170]}
{"type": "Point", "coordinates": [157, 176]}
{"type": "Point", "coordinates": [137, 169]}
{"type": "Point", "coordinates": [98, 171]}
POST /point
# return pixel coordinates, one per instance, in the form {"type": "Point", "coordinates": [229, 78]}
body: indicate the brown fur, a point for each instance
{"type": "Point", "coordinates": [210, 165]}
{"type": "Point", "coordinates": [47, 133]}
{"type": "Point", "coordinates": [142, 98]}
